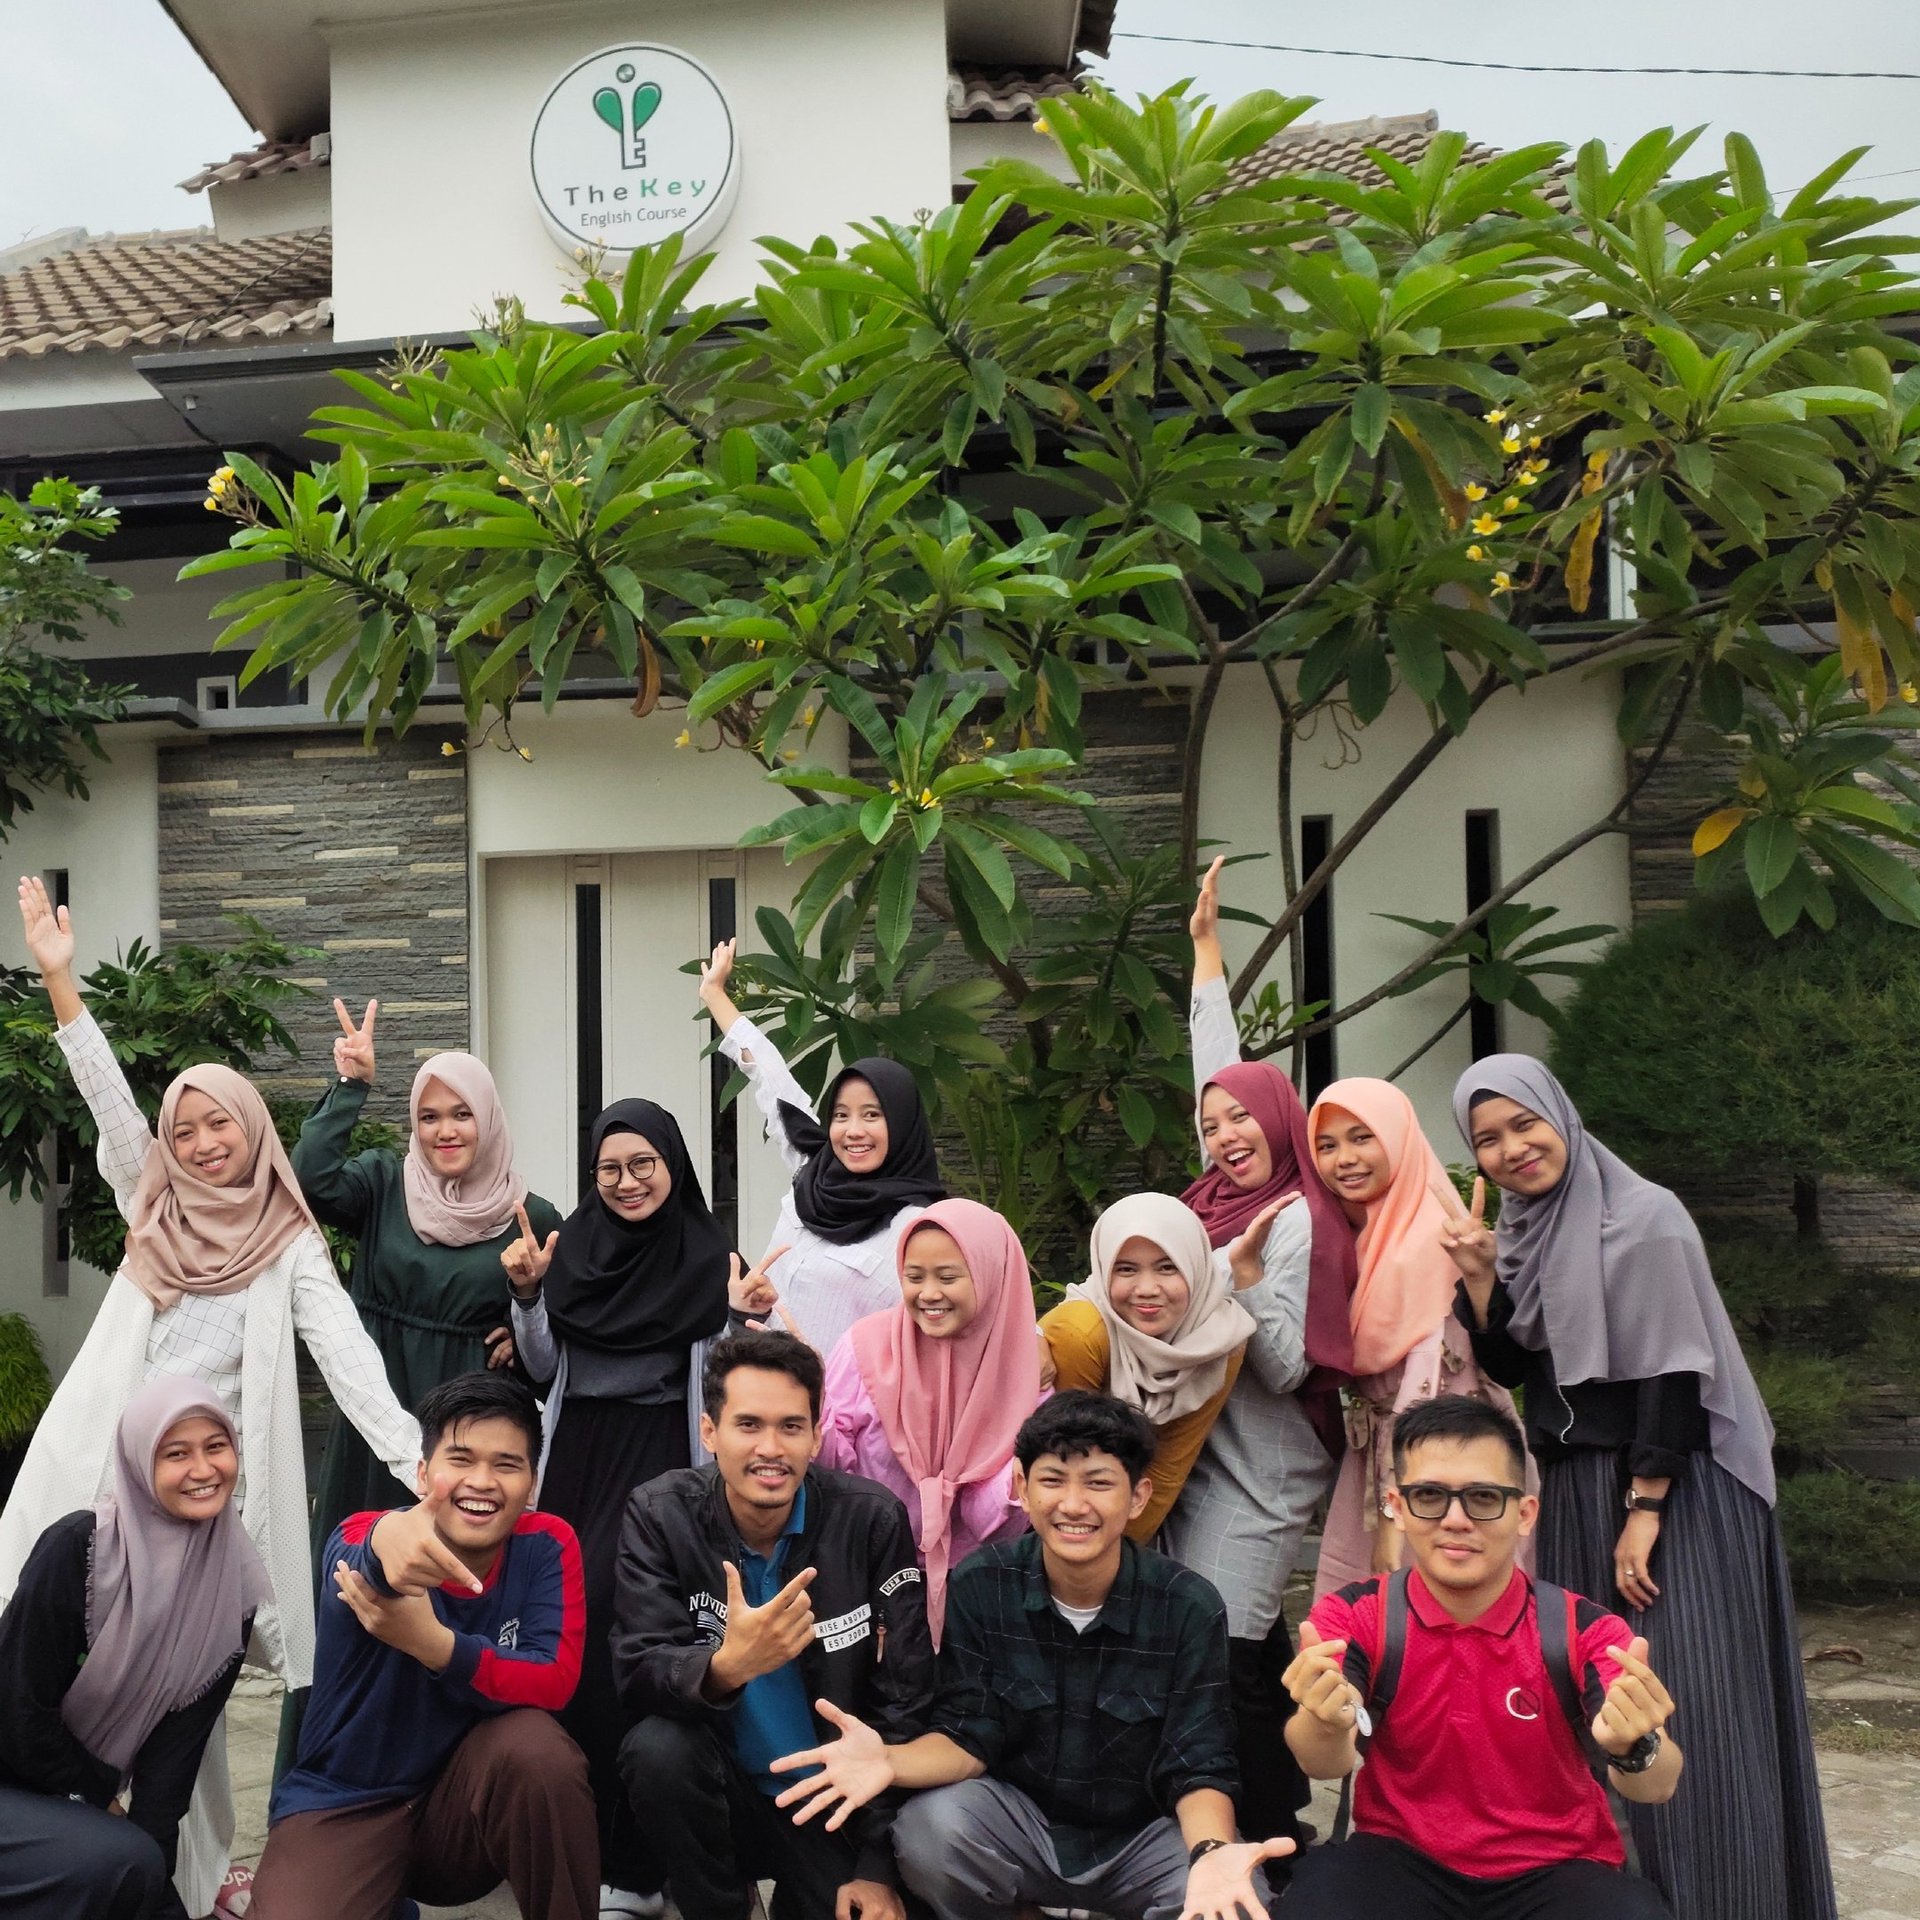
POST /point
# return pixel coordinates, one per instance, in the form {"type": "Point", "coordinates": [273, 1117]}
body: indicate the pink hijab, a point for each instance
{"type": "Point", "coordinates": [951, 1408]}
{"type": "Point", "coordinates": [1405, 1288]}
{"type": "Point", "coordinates": [478, 1204]}
{"type": "Point", "coordinates": [184, 1234]}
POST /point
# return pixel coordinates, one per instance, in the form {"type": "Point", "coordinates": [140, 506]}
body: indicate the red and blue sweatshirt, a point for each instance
{"type": "Point", "coordinates": [380, 1726]}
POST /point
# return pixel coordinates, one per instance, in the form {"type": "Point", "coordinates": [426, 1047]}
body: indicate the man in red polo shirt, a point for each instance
{"type": "Point", "coordinates": [1476, 1801]}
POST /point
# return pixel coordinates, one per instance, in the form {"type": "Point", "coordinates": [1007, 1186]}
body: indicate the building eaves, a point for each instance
{"type": "Point", "coordinates": [1095, 32]}
{"type": "Point", "coordinates": [256, 163]}
{"type": "Point", "coordinates": [1004, 93]}
{"type": "Point", "coordinates": [115, 292]}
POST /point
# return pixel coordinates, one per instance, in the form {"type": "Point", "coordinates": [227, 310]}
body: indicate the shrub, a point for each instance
{"type": "Point", "coordinates": [1845, 1532]}
{"type": "Point", "coordinates": [25, 1384]}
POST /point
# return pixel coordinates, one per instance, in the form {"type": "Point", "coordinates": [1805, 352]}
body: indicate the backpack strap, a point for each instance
{"type": "Point", "coordinates": [1553, 1613]}
{"type": "Point", "coordinates": [1383, 1682]}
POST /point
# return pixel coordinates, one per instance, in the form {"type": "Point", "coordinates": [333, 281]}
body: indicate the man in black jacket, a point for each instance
{"type": "Point", "coordinates": [746, 1591]}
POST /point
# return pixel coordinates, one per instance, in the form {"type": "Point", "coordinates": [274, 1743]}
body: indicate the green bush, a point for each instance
{"type": "Point", "coordinates": [25, 1384]}
{"type": "Point", "coordinates": [1701, 1044]}
{"type": "Point", "coordinates": [1811, 1400]}
{"type": "Point", "coordinates": [1845, 1532]}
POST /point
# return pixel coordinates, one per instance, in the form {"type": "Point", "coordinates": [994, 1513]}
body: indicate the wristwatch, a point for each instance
{"type": "Point", "coordinates": [1640, 1756]}
{"type": "Point", "coordinates": [1645, 1502]}
{"type": "Point", "coordinates": [1201, 1848]}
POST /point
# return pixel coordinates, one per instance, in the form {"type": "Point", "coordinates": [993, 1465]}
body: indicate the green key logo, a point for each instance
{"type": "Point", "coordinates": [627, 117]}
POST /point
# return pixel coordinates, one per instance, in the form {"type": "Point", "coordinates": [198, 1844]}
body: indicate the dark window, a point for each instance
{"type": "Point", "coordinates": [1316, 950]}
{"type": "Point", "coordinates": [589, 1032]}
{"type": "Point", "coordinates": [58, 892]}
{"type": "Point", "coordinates": [57, 1243]}
{"type": "Point", "coordinates": [724, 1119]}
{"type": "Point", "coordinates": [1483, 881]}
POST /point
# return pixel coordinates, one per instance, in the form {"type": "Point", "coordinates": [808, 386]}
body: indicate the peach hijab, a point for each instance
{"type": "Point", "coordinates": [186, 1235]}
{"type": "Point", "coordinates": [1406, 1283]}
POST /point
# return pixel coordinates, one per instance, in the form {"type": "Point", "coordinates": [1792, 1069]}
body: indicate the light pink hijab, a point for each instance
{"type": "Point", "coordinates": [166, 1597]}
{"type": "Point", "coordinates": [184, 1234]}
{"type": "Point", "coordinates": [952, 1407]}
{"type": "Point", "coordinates": [478, 1204]}
{"type": "Point", "coordinates": [1405, 1288]}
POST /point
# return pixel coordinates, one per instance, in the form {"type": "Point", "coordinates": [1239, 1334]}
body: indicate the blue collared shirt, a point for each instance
{"type": "Point", "coordinates": [773, 1715]}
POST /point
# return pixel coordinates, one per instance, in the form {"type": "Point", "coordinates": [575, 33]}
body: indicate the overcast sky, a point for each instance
{"type": "Point", "coordinates": [104, 106]}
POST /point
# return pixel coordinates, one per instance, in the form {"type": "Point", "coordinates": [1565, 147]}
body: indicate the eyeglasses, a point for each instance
{"type": "Point", "coordinates": [1429, 1500]}
{"type": "Point", "coordinates": [609, 1173]}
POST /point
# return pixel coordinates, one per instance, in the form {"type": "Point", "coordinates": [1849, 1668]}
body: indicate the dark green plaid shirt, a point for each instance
{"type": "Point", "coordinates": [1105, 1730]}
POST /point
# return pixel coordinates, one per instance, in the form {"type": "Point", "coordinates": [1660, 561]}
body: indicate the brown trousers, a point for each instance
{"type": "Point", "coordinates": [510, 1804]}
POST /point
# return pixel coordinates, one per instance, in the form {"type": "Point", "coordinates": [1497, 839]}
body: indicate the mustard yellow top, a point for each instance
{"type": "Point", "coordinates": [1076, 1337]}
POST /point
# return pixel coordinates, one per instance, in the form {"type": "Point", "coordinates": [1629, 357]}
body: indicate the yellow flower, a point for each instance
{"type": "Point", "coordinates": [1529, 479]}
{"type": "Point", "coordinates": [1533, 440]}
{"type": "Point", "coordinates": [1534, 466]}
{"type": "Point", "coordinates": [1474, 490]}
{"type": "Point", "coordinates": [809, 716]}
{"type": "Point", "coordinates": [212, 506]}
{"type": "Point", "coordinates": [447, 749]}
{"type": "Point", "coordinates": [1476, 553]}
{"type": "Point", "coordinates": [525, 753]}
{"type": "Point", "coordinates": [1486, 523]}
{"type": "Point", "coordinates": [1510, 443]}
{"type": "Point", "coordinates": [1494, 415]}
{"type": "Point", "coordinates": [1039, 124]}
{"type": "Point", "coordinates": [986, 743]}
{"type": "Point", "coordinates": [926, 796]}
{"type": "Point", "coordinates": [1511, 504]}
{"type": "Point", "coordinates": [1909, 692]}
{"type": "Point", "coordinates": [684, 738]}
{"type": "Point", "coordinates": [1502, 582]}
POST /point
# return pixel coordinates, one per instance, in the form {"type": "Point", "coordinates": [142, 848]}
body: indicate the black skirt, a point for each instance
{"type": "Point", "coordinates": [1744, 1837]}
{"type": "Point", "coordinates": [602, 1450]}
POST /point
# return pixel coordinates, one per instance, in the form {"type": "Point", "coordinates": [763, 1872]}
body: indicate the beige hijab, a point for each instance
{"type": "Point", "coordinates": [185, 1235]}
{"type": "Point", "coordinates": [1180, 1374]}
{"type": "Point", "coordinates": [480, 1203]}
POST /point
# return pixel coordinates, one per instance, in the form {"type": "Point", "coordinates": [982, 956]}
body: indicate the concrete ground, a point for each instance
{"type": "Point", "coordinates": [1872, 1801]}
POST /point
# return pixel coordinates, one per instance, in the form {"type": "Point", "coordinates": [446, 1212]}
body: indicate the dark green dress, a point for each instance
{"type": "Point", "coordinates": [429, 1308]}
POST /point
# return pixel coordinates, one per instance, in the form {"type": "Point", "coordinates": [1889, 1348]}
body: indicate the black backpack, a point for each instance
{"type": "Point", "coordinates": [1553, 1611]}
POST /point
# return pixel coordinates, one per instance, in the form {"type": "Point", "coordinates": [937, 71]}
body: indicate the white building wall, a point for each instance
{"type": "Point", "coordinates": [1549, 762]}
{"type": "Point", "coordinates": [840, 106]}
{"type": "Point", "coordinates": [110, 847]}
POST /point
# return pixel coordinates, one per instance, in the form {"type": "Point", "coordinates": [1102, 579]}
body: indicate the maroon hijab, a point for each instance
{"type": "Point", "coordinates": [1226, 1210]}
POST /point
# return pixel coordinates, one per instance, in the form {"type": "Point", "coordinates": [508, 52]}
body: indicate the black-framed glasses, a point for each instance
{"type": "Point", "coordinates": [1429, 1500]}
{"type": "Point", "coordinates": [609, 1173]}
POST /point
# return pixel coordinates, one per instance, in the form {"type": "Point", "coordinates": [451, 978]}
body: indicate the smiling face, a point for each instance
{"type": "Point", "coordinates": [448, 1130]}
{"type": "Point", "coordinates": [763, 1441]}
{"type": "Point", "coordinates": [941, 1299]}
{"type": "Point", "coordinates": [631, 1176]}
{"type": "Point", "coordinates": [1351, 1158]}
{"type": "Point", "coordinates": [1464, 1557]}
{"type": "Point", "coordinates": [1233, 1140]}
{"type": "Point", "coordinates": [209, 1140]}
{"type": "Point", "coordinates": [1147, 1289]}
{"type": "Point", "coordinates": [857, 1127]}
{"type": "Point", "coordinates": [1079, 1507]}
{"type": "Point", "coordinates": [195, 1468]}
{"type": "Point", "coordinates": [1515, 1148]}
{"type": "Point", "coordinates": [489, 1465]}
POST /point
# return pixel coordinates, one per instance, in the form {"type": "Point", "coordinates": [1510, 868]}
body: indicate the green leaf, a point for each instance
{"type": "Point", "coordinates": [761, 533]}
{"type": "Point", "coordinates": [899, 880]}
{"type": "Point", "coordinates": [1136, 1114]}
{"type": "Point", "coordinates": [877, 817]}
{"type": "Point", "coordinates": [1372, 409]}
{"type": "Point", "coordinates": [1772, 848]}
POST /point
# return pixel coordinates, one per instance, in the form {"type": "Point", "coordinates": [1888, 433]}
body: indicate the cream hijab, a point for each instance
{"type": "Point", "coordinates": [478, 1204]}
{"type": "Point", "coordinates": [1180, 1374]}
{"type": "Point", "coordinates": [186, 1235]}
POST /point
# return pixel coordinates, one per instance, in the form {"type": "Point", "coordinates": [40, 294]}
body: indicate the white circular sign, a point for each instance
{"type": "Point", "coordinates": [634, 144]}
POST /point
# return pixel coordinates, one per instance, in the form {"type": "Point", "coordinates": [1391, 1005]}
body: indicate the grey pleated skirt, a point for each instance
{"type": "Point", "coordinates": [1744, 1837]}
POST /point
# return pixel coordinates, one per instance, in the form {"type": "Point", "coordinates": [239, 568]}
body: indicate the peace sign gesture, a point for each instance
{"type": "Point", "coordinates": [1469, 1243]}
{"type": "Point", "coordinates": [525, 1259]}
{"type": "Point", "coordinates": [353, 1051]}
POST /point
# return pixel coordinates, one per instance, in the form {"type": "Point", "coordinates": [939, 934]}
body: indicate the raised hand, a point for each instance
{"type": "Point", "coordinates": [1316, 1682]}
{"type": "Point", "coordinates": [854, 1769]}
{"type": "Point", "coordinates": [1636, 1704]}
{"type": "Point", "coordinates": [410, 1550]}
{"type": "Point", "coordinates": [525, 1259]}
{"type": "Point", "coordinates": [1468, 1241]}
{"type": "Point", "coordinates": [1247, 1255]}
{"type": "Point", "coordinates": [749, 1291]}
{"type": "Point", "coordinates": [1220, 1884]}
{"type": "Point", "coordinates": [760, 1639]}
{"type": "Point", "coordinates": [713, 986]}
{"type": "Point", "coordinates": [1205, 923]}
{"type": "Point", "coordinates": [49, 930]}
{"type": "Point", "coordinates": [353, 1050]}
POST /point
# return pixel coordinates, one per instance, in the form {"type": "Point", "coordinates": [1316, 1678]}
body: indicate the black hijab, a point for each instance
{"type": "Point", "coordinates": [849, 1207]}
{"type": "Point", "coordinates": [646, 1285]}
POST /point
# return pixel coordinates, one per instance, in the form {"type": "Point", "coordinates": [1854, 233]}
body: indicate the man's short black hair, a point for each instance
{"type": "Point", "coordinates": [1456, 1418]}
{"type": "Point", "coordinates": [776, 1352]}
{"type": "Point", "coordinates": [477, 1396]}
{"type": "Point", "coordinates": [1076, 1422]}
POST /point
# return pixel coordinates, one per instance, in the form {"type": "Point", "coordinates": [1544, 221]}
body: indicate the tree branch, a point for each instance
{"type": "Point", "coordinates": [1289, 861]}
{"type": "Point", "coordinates": [1238, 647]}
{"type": "Point", "coordinates": [1433, 1039]}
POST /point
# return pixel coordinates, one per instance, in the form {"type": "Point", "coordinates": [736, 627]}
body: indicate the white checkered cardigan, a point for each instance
{"type": "Point", "coordinates": [243, 1346]}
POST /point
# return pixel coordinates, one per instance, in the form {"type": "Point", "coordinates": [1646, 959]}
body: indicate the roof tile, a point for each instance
{"type": "Point", "coordinates": [121, 291]}
{"type": "Point", "coordinates": [1004, 93]}
{"type": "Point", "coordinates": [255, 163]}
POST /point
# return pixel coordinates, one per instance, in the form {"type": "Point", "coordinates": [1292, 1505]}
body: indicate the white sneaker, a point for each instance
{"type": "Point", "coordinates": [617, 1903]}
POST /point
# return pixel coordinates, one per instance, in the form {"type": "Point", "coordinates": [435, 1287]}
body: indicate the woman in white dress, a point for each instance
{"type": "Point", "coordinates": [859, 1170]}
{"type": "Point", "coordinates": [223, 1266]}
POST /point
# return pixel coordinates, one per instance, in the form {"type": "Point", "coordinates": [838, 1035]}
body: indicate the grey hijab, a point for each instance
{"type": "Point", "coordinates": [1607, 1273]}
